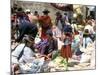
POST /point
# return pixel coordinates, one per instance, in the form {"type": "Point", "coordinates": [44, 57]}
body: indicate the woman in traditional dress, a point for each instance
{"type": "Point", "coordinates": [66, 48]}
{"type": "Point", "coordinates": [45, 23]}
{"type": "Point", "coordinates": [49, 46]}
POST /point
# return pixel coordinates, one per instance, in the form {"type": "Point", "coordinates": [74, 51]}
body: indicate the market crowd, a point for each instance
{"type": "Point", "coordinates": [37, 42]}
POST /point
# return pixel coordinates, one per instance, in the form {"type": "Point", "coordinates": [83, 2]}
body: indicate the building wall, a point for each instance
{"type": "Point", "coordinates": [13, 2]}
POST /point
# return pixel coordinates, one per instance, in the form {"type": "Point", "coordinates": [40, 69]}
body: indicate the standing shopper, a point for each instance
{"type": "Point", "coordinates": [45, 23]}
{"type": "Point", "coordinates": [66, 20]}
{"type": "Point", "coordinates": [59, 21]}
{"type": "Point", "coordinates": [86, 38]}
{"type": "Point", "coordinates": [66, 48]}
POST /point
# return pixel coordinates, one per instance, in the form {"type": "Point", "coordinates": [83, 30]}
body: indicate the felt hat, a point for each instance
{"type": "Point", "coordinates": [46, 11]}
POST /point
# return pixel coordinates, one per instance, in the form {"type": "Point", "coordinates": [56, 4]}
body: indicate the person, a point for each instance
{"type": "Point", "coordinates": [40, 46]}
{"type": "Point", "coordinates": [21, 52]}
{"type": "Point", "coordinates": [86, 38]}
{"type": "Point", "coordinates": [24, 54]}
{"type": "Point", "coordinates": [57, 35]}
{"type": "Point", "coordinates": [36, 21]}
{"type": "Point", "coordinates": [26, 27]}
{"type": "Point", "coordinates": [89, 27]}
{"type": "Point", "coordinates": [70, 16]}
{"type": "Point", "coordinates": [45, 23]}
{"type": "Point", "coordinates": [52, 43]}
{"type": "Point", "coordinates": [74, 26]}
{"type": "Point", "coordinates": [76, 43]}
{"type": "Point", "coordinates": [29, 15]}
{"type": "Point", "coordinates": [66, 51]}
{"type": "Point", "coordinates": [56, 32]}
{"type": "Point", "coordinates": [59, 21]}
{"type": "Point", "coordinates": [66, 18]}
{"type": "Point", "coordinates": [32, 17]}
{"type": "Point", "coordinates": [49, 46]}
{"type": "Point", "coordinates": [15, 22]}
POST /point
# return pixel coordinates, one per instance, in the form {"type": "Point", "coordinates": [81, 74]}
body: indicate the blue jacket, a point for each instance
{"type": "Point", "coordinates": [28, 28]}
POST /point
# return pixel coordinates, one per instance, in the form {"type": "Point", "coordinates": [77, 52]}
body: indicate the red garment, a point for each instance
{"type": "Point", "coordinates": [13, 18]}
{"type": "Point", "coordinates": [43, 34]}
{"type": "Point", "coordinates": [66, 51]}
{"type": "Point", "coordinates": [76, 32]}
{"type": "Point", "coordinates": [45, 23]}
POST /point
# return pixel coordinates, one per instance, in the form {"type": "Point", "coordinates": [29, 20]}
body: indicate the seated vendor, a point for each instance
{"type": "Point", "coordinates": [49, 46]}
{"type": "Point", "coordinates": [24, 54]}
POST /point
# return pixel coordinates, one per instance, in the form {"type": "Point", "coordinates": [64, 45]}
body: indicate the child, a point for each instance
{"type": "Point", "coordinates": [66, 48]}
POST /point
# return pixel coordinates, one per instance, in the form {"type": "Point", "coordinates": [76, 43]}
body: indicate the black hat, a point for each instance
{"type": "Point", "coordinates": [46, 11]}
{"type": "Point", "coordinates": [35, 11]}
{"type": "Point", "coordinates": [20, 9]}
{"type": "Point", "coordinates": [65, 13]}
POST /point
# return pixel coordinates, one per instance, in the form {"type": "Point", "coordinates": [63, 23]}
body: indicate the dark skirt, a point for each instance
{"type": "Point", "coordinates": [66, 51]}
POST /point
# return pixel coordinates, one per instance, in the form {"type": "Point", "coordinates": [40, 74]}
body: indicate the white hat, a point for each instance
{"type": "Point", "coordinates": [27, 10]}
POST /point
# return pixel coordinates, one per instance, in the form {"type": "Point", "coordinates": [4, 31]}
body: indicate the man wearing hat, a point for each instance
{"type": "Point", "coordinates": [45, 23]}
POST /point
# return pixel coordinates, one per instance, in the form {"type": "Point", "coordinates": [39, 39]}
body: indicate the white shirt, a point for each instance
{"type": "Point", "coordinates": [56, 32]}
{"type": "Point", "coordinates": [28, 54]}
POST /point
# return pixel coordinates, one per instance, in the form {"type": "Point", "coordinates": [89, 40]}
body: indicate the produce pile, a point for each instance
{"type": "Point", "coordinates": [58, 64]}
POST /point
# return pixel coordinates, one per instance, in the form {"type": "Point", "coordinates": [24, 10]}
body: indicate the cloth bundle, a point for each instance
{"type": "Point", "coordinates": [41, 46]}
{"type": "Point", "coordinates": [34, 67]}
